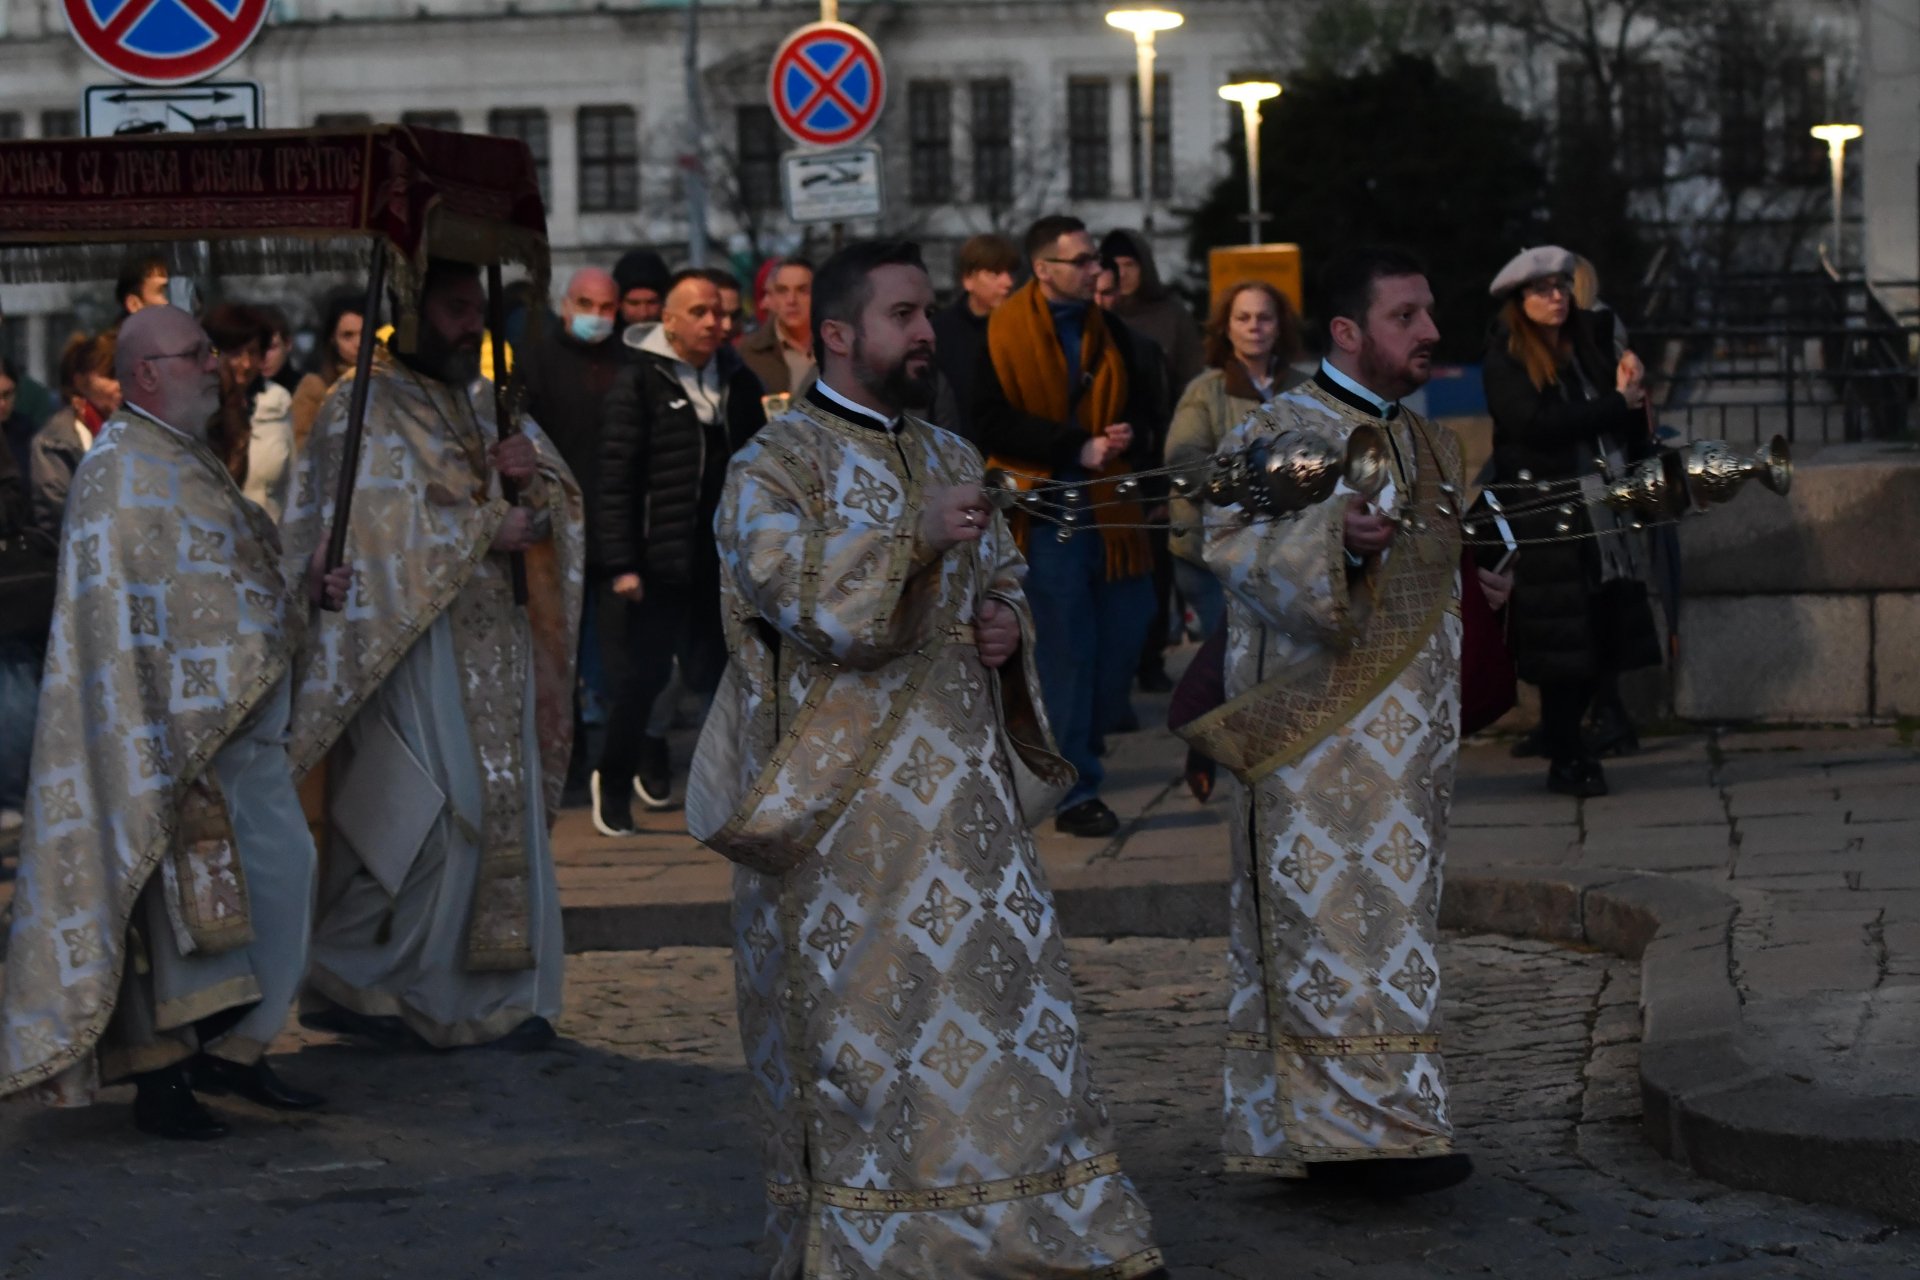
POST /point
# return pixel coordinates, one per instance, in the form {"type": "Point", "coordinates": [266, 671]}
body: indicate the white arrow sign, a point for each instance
{"type": "Point", "coordinates": [833, 186]}
{"type": "Point", "coordinates": [114, 110]}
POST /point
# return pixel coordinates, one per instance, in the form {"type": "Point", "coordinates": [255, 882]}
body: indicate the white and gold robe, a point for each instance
{"type": "Point", "coordinates": [434, 716]}
{"type": "Point", "coordinates": [905, 1002]}
{"type": "Point", "coordinates": [1343, 740]}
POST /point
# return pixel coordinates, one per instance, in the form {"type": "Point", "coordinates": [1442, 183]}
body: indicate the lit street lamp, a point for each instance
{"type": "Point", "coordinates": [1836, 136]}
{"type": "Point", "coordinates": [1250, 94]}
{"type": "Point", "coordinates": [1145, 24]}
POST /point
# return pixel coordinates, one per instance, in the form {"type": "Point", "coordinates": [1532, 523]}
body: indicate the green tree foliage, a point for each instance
{"type": "Point", "coordinates": [1402, 153]}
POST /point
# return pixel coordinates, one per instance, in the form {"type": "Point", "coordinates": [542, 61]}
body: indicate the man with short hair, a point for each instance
{"type": "Point", "coordinates": [569, 369]}
{"type": "Point", "coordinates": [641, 277]}
{"type": "Point", "coordinates": [1342, 727]}
{"type": "Point", "coordinates": [983, 269]}
{"type": "Point", "coordinates": [142, 283]}
{"type": "Point", "coordinates": [161, 920]}
{"type": "Point", "coordinates": [678, 412]}
{"type": "Point", "coordinates": [440, 708]}
{"type": "Point", "coordinates": [905, 1005]}
{"type": "Point", "coordinates": [1057, 396]}
{"type": "Point", "coordinates": [780, 352]}
{"type": "Point", "coordinates": [732, 318]}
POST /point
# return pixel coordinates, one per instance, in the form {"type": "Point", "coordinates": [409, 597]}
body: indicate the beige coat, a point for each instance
{"type": "Point", "coordinates": [1214, 404]}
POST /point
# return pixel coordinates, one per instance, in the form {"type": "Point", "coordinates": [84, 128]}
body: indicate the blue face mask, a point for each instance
{"type": "Point", "coordinates": [591, 328]}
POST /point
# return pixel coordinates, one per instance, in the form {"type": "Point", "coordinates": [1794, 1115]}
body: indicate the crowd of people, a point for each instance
{"type": "Point", "coordinates": [329, 777]}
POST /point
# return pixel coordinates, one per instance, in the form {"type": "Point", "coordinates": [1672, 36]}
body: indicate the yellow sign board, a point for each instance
{"type": "Point", "coordinates": [1276, 264]}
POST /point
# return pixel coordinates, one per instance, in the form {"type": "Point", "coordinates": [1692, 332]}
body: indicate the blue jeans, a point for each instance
{"type": "Point", "coordinates": [19, 701]}
{"type": "Point", "coordinates": [1088, 634]}
{"type": "Point", "coordinates": [1203, 591]}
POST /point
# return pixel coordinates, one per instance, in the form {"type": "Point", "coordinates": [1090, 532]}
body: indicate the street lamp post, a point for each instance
{"type": "Point", "coordinates": [1836, 136]}
{"type": "Point", "coordinates": [1144, 25]}
{"type": "Point", "coordinates": [1250, 94]}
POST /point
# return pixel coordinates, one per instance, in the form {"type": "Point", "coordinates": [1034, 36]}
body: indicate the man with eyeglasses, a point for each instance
{"type": "Point", "coordinates": [1056, 397]}
{"type": "Point", "coordinates": [161, 920]}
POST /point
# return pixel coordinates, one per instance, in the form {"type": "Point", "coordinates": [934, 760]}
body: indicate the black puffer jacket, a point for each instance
{"type": "Point", "coordinates": [1554, 434]}
{"type": "Point", "coordinates": [661, 469]}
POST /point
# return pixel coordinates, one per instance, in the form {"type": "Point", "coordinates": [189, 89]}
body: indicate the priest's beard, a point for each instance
{"type": "Point", "coordinates": [1386, 379]}
{"type": "Point", "coordinates": [456, 363]}
{"type": "Point", "coordinates": [895, 385]}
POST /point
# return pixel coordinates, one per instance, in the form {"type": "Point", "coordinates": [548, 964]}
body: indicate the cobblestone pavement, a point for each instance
{"type": "Point", "coordinates": [622, 1153]}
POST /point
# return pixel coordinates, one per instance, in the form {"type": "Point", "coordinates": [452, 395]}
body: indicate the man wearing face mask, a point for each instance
{"type": "Point", "coordinates": [674, 418]}
{"type": "Point", "coordinates": [440, 710]}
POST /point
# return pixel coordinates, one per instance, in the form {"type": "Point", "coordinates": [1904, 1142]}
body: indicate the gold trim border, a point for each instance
{"type": "Point", "coordinates": [1334, 1046]}
{"type": "Point", "coordinates": [933, 1199]}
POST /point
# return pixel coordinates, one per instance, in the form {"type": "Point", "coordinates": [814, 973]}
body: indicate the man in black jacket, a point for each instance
{"type": "Point", "coordinates": [984, 267]}
{"type": "Point", "coordinates": [673, 419]}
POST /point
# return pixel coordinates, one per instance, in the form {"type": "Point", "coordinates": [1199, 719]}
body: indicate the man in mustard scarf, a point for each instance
{"type": "Point", "coordinates": [1057, 399]}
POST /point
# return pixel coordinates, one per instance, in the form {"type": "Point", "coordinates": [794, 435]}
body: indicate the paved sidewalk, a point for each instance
{"type": "Point", "coordinates": [1774, 871]}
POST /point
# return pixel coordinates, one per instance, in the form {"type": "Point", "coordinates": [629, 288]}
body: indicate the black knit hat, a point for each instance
{"type": "Point", "coordinates": [641, 269]}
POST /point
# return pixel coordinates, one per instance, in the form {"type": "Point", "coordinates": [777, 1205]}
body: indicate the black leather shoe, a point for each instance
{"type": "Point", "coordinates": [164, 1106]}
{"type": "Point", "coordinates": [1389, 1179]}
{"type": "Point", "coordinates": [386, 1031]}
{"type": "Point", "coordinates": [1088, 818]}
{"type": "Point", "coordinates": [256, 1083]}
{"type": "Point", "coordinates": [612, 814]}
{"type": "Point", "coordinates": [1582, 779]}
{"type": "Point", "coordinates": [534, 1034]}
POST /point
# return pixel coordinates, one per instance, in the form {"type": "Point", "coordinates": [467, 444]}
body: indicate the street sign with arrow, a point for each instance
{"type": "Point", "coordinates": [110, 110]}
{"type": "Point", "coordinates": [833, 186]}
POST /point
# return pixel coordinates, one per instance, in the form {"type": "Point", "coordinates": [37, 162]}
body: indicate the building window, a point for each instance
{"type": "Point", "coordinates": [342, 120]}
{"type": "Point", "coordinates": [609, 160]}
{"type": "Point", "coordinates": [1162, 135]}
{"type": "Point", "coordinates": [529, 125]}
{"type": "Point", "coordinates": [1643, 117]}
{"type": "Point", "coordinates": [447, 120]}
{"type": "Point", "coordinates": [757, 147]}
{"type": "Point", "coordinates": [1089, 145]}
{"type": "Point", "coordinates": [59, 124]}
{"type": "Point", "coordinates": [1743, 122]}
{"type": "Point", "coordinates": [11, 125]}
{"type": "Point", "coordinates": [1803, 104]}
{"type": "Point", "coordinates": [992, 103]}
{"type": "Point", "coordinates": [930, 141]}
{"type": "Point", "coordinates": [1576, 117]}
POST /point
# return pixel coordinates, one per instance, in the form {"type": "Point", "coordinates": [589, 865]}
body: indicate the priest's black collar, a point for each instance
{"type": "Point", "coordinates": [826, 399]}
{"type": "Point", "coordinates": [1350, 393]}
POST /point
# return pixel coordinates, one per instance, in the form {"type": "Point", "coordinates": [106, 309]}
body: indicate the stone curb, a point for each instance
{"type": "Point", "coordinates": [1707, 1103]}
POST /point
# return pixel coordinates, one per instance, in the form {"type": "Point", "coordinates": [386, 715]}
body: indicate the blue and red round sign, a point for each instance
{"type": "Point", "coordinates": [165, 42]}
{"type": "Point", "coordinates": [827, 86]}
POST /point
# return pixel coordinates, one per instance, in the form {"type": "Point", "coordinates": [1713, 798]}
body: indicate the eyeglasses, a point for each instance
{"type": "Point", "coordinates": [199, 355]}
{"type": "Point", "coordinates": [1548, 288]}
{"type": "Point", "coordinates": [1079, 262]}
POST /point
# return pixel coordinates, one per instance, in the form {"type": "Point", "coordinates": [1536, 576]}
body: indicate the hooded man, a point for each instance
{"type": "Point", "coordinates": [1153, 309]}
{"type": "Point", "coordinates": [641, 276]}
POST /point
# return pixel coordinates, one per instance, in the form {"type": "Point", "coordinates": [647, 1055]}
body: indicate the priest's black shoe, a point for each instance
{"type": "Point", "coordinates": [386, 1031]}
{"type": "Point", "coordinates": [530, 1036]}
{"type": "Point", "coordinates": [1582, 779]}
{"type": "Point", "coordinates": [164, 1106]}
{"type": "Point", "coordinates": [1088, 818]}
{"type": "Point", "coordinates": [256, 1082]}
{"type": "Point", "coordinates": [1389, 1179]}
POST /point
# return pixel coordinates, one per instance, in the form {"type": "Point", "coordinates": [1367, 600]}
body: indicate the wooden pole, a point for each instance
{"type": "Point", "coordinates": [356, 410]}
{"type": "Point", "coordinates": [496, 335]}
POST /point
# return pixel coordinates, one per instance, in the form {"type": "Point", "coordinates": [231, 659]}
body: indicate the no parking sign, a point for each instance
{"type": "Point", "coordinates": [165, 42]}
{"type": "Point", "coordinates": [827, 85]}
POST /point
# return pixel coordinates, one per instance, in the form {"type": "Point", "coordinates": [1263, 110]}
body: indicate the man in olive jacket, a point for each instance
{"type": "Point", "coordinates": [673, 419]}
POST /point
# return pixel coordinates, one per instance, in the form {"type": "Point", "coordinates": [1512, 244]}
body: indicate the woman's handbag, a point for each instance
{"type": "Point", "coordinates": [27, 567]}
{"type": "Point", "coordinates": [1486, 663]}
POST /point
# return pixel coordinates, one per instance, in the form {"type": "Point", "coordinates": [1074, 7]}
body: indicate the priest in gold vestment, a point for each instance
{"type": "Point", "coordinates": [904, 997]}
{"type": "Point", "coordinates": [1342, 728]}
{"type": "Point", "coordinates": [161, 910]}
{"type": "Point", "coordinates": [432, 715]}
